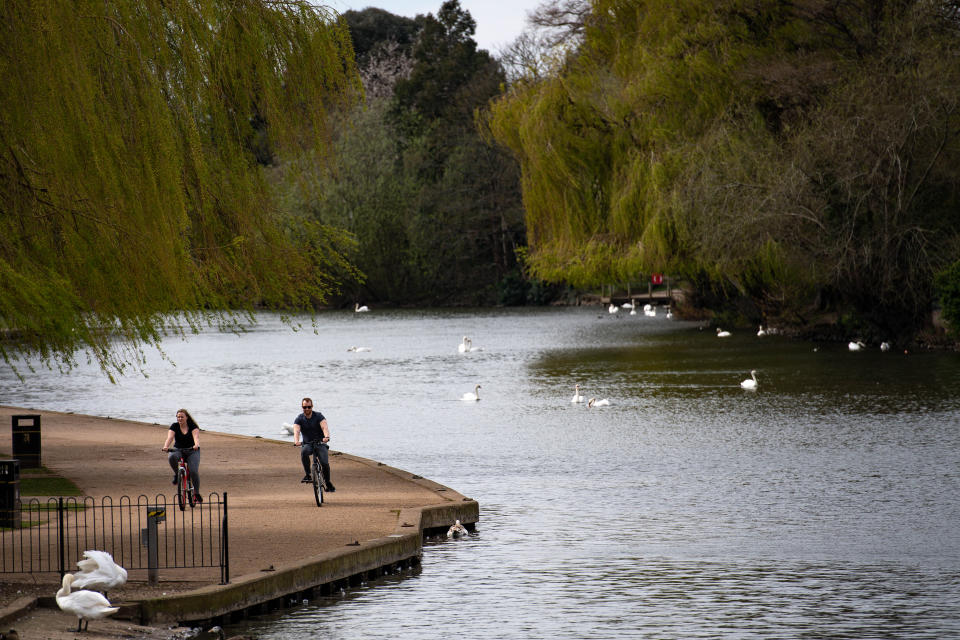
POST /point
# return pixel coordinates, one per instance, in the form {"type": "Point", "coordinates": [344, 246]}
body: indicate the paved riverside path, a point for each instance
{"type": "Point", "coordinates": [273, 519]}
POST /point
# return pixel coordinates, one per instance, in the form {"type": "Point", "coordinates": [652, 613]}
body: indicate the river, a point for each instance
{"type": "Point", "coordinates": [822, 505]}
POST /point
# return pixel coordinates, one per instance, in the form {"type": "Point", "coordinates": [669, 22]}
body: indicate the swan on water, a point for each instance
{"type": "Point", "coordinates": [751, 382]}
{"type": "Point", "coordinates": [99, 572]}
{"type": "Point", "coordinates": [651, 312]}
{"type": "Point", "coordinates": [855, 346]}
{"type": "Point", "coordinates": [456, 530]}
{"type": "Point", "coordinates": [286, 428]}
{"type": "Point", "coordinates": [613, 308]}
{"type": "Point", "coordinates": [593, 402]}
{"type": "Point", "coordinates": [761, 332]}
{"type": "Point", "coordinates": [628, 305]}
{"type": "Point", "coordinates": [576, 394]}
{"type": "Point", "coordinates": [722, 334]}
{"type": "Point", "coordinates": [359, 349]}
{"type": "Point", "coordinates": [633, 312]}
{"type": "Point", "coordinates": [357, 308]}
{"type": "Point", "coordinates": [884, 346]}
{"type": "Point", "coordinates": [472, 397]}
{"type": "Point", "coordinates": [464, 346]}
{"type": "Point", "coordinates": [669, 313]}
{"type": "Point", "coordinates": [86, 605]}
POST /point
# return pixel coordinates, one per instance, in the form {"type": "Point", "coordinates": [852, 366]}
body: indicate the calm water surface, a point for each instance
{"type": "Point", "coordinates": [823, 505]}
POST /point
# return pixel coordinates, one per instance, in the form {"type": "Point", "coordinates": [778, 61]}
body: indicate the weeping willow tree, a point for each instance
{"type": "Point", "coordinates": [796, 153]}
{"type": "Point", "coordinates": [133, 137]}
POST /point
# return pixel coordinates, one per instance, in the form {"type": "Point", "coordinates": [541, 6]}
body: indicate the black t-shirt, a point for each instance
{"type": "Point", "coordinates": [182, 440]}
{"type": "Point", "coordinates": [310, 428]}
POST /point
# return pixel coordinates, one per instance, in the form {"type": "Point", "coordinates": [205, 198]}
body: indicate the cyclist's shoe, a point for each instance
{"type": "Point", "coordinates": [330, 487]}
{"type": "Point", "coordinates": [174, 481]}
{"type": "Point", "coordinates": [198, 498]}
{"type": "Point", "coordinates": [307, 478]}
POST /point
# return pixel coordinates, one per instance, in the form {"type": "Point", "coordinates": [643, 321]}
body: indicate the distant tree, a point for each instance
{"type": "Point", "coordinates": [372, 27]}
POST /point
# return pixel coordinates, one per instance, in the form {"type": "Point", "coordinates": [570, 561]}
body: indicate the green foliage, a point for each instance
{"type": "Point", "coordinates": [778, 150]}
{"type": "Point", "coordinates": [129, 153]}
{"type": "Point", "coordinates": [948, 290]}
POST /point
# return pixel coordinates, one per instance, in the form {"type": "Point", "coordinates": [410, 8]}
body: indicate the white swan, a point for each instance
{"type": "Point", "coordinates": [884, 346]}
{"type": "Point", "coordinates": [855, 346]}
{"type": "Point", "coordinates": [357, 308]}
{"type": "Point", "coordinates": [99, 572]}
{"type": "Point", "coordinates": [593, 402]}
{"type": "Point", "coordinates": [751, 382]}
{"type": "Point", "coordinates": [472, 397]}
{"type": "Point", "coordinates": [86, 605]}
{"type": "Point", "coordinates": [613, 308]}
{"type": "Point", "coordinates": [464, 346]}
{"type": "Point", "coordinates": [669, 313]}
{"type": "Point", "coordinates": [651, 312]}
{"type": "Point", "coordinates": [722, 334]}
{"type": "Point", "coordinates": [761, 332]}
{"type": "Point", "coordinates": [633, 312]}
{"type": "Point", "coordinates": [627, 305]}
{"type": "Point", "coordinates": [359, 349]}
{"type": "Point", "coordinates": [286, 428]}
{"type": "Point", "coordinates": [456, 530]}
{"type": "Point", "coordinates": [576, 394]}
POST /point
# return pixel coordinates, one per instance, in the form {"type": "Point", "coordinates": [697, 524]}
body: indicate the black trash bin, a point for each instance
{"type": "Point", "coordinates": [10, 493]}
{"type": "Point", "coordinates": [26, 440]}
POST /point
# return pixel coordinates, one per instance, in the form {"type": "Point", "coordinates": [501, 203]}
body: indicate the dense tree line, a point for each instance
{"type": "Point", "coordinates": [789, 158]}
{"type": "Point", "coordinates": [132, 145]}
{"type": "Point", "coordinates": [435, 207]}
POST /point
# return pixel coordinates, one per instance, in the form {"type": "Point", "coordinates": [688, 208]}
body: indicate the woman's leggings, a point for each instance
{"type": "Point", "coordinates": [193, 463]}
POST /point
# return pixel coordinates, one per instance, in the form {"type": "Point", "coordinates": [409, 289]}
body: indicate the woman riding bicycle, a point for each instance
{"type": "Point", "coordinates": [185, 435]}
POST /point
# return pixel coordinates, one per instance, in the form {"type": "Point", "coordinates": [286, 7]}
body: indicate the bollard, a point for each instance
{"type": "Point", "coordinates": [10, 493]}
{"type": "Point", "coordinates": [149, 538]}
{"type": "Point", "coordinates": [26, 440]}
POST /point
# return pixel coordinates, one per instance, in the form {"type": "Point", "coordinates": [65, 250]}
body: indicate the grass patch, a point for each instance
{"type": "Point", "coordinates": [48, 486]}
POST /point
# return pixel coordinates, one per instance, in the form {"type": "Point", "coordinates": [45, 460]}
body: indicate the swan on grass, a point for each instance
{"type": "Point", "coordinates": [472, 397]}
{"type": "Point", "coordinates": [751, 382]}
{"type": "Point", "coordinates": [593, 402]}
{"type": "Point", "coordinates": [86, 605]}
{"type": "Point", "coordinates": [576, 394]}
{"type": "Point", "coordinates": [856, 346]}
{"type": "Point", "coordinates": [722, 334]}
{"type": "Point", "coordinates": [456, 530]}
{"type": "Point", "coordinates": [358, 309]}
{"type": "Point", "coordinates": [99, 572]}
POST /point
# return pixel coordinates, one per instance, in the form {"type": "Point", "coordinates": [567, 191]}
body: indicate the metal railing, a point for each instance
{"type": "Point", "coordinates": [151, 534]}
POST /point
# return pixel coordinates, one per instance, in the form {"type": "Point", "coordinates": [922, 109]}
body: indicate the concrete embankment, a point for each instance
{"type": "Point", "coordinates": [282, 548]}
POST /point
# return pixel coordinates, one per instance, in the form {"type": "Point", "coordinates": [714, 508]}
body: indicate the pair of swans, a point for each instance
{"type": "Point", "coordinates": [99, 571]}
{"type": "Point", "coordinates": [466, 345]}
{"type": "Point", "coordinates": [592, 402]}
{"type": "Point", "coordinates": [472, 397]}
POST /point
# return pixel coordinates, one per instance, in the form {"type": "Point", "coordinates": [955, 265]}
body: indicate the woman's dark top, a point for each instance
{"type": "Point", "coordinates": [183, 440]}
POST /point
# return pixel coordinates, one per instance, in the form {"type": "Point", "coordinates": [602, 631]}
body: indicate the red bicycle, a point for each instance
{"type": "Point", "coordinates": [185, 491]}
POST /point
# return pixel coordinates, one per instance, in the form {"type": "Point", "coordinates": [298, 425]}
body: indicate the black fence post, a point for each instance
{"type": "Point", "coordinates": [61, 535]}
{"type": "Point", "coordinates": [224, 546]}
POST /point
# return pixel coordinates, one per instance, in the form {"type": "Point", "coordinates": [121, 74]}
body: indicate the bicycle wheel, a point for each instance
{"type": "Point", "coordinates": [317, 482]}
{"type": "Point", "coordinates": [181, 490]}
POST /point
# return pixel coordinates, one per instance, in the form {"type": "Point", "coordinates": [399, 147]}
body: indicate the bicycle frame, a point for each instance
{"type": "Point", "coordinates": [185, 491]}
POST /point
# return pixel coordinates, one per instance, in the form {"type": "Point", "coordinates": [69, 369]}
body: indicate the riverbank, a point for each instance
{"type": "Point", "coordinates": [377, 515]}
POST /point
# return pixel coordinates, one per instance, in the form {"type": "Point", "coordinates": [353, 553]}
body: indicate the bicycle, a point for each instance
{"type": "Point", "coordinates": [185, 491]}
{"type": "Point", "coordinates": [316, 473]}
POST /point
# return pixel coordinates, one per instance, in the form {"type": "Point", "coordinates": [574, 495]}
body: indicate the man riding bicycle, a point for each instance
{"type": "Point", "coordinates": [316, 435]}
